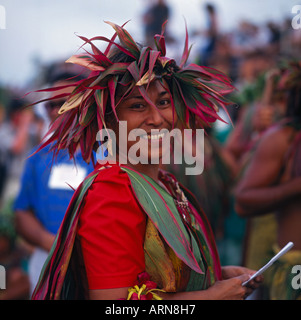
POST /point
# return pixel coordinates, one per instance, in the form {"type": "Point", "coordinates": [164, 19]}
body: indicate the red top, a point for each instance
{"type": "Point", "coordinates": [112, 229]}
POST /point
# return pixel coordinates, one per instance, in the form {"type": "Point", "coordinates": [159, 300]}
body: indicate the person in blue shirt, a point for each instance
{"type": "Point", "coordinates": [47, 186]}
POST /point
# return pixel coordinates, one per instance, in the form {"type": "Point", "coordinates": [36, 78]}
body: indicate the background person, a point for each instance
{"type": "Point", "coordinates": [46, 189]}
{"type": "Point", "coordinates": [272, 183]}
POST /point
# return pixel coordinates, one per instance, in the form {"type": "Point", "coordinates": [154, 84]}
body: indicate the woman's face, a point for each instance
{"type": "Point", "coordinates": [140, 114]}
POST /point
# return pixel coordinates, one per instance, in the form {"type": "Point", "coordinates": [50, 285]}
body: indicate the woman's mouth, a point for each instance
{"type": "Point", "coordinates": [154, 135]}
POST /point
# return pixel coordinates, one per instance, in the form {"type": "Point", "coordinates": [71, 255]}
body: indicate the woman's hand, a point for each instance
{"type": "Point", "coordinates": [229, 289]}
{"type": "Point", "coordinates": [229, 272]}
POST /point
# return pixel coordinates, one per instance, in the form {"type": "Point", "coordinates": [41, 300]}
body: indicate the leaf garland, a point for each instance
{"type": "Point", "coordinates": [197, 92]}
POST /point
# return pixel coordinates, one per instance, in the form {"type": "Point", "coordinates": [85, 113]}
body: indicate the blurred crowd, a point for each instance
{"type": "Point", "coordinates": [251, 55]}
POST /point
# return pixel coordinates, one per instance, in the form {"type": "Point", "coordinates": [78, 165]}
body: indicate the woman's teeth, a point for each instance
{"type": "Point", "coordinates": [153, 136]}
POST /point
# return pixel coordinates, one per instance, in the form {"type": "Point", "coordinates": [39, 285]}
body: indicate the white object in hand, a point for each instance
{"type": "Point", "coordinates": [277, 256]}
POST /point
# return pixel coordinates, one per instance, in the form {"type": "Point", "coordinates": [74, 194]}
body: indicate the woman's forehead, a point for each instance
{"type": "Point", "coordinates": [156, 85]}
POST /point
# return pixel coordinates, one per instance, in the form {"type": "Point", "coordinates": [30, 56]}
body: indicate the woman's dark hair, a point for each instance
{"type": "Point", "coordinates": [116, 55]}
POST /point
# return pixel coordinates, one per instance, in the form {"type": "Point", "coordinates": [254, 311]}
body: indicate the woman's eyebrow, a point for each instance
{"type": "Point", "coordinates": [163, 93]}
{"type": "Point", "coordinates": [133, 97]}
{"type": "Point", "coordinates": [139, 97]}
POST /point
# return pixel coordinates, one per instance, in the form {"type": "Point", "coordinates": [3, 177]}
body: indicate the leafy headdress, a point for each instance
{"type": "Point", "coordinates": [197, 92]}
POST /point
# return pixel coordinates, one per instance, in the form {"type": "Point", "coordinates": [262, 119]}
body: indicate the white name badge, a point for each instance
{"type": "Point", "coordinates": [65, 175]}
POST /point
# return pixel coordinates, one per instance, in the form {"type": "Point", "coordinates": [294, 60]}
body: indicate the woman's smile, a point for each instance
{"type": "Point", "coordinates": [154, 135]}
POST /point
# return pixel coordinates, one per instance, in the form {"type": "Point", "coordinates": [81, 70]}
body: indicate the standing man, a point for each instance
{"type": "Point", "coordinates": [153, 19]}
{"type": "Point", "coordinates": [46, 190]}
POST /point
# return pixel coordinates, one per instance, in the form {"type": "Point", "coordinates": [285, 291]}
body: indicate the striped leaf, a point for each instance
{"type": "Point", "coordinates": [160, 207]}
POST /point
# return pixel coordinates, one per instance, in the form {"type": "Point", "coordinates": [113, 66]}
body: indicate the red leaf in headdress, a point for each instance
{"type": "Point", "coordinates": [160, 40]}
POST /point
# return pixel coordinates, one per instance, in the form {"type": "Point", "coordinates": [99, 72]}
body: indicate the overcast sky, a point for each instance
{"type": "Point", "coordinates": [45, 30]}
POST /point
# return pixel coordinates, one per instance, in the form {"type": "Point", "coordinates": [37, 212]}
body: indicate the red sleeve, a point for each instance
{"type": "Point", "coordinates": [112, 230]}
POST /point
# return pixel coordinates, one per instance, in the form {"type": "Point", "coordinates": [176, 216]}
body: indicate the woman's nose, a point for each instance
{"type": "Point", "coordinates": [154, 116]}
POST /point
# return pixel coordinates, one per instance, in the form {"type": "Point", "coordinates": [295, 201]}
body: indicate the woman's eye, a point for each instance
{"type": "Point", "coordinates": [164, 103]}
{"type": "Point", "coordinates": [137, 106]}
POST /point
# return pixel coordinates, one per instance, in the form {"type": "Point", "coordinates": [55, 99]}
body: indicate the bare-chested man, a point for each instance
{"type": "Point", "coordinates": [272, 182]}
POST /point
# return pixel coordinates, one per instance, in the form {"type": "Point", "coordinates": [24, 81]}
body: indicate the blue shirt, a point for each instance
{"type": "Point", "coordinates": [46, 186]}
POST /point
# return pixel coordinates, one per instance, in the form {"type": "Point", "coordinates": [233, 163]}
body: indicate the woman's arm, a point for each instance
{"type": "Point", "coordinates": [259, 191]}
{"type": "Point", "coordinates": [229, 289]}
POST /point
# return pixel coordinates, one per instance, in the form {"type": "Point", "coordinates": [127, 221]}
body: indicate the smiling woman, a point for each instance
{"type": "Point", "coordinates": [146, 119]}
{"type": "Point", "coordinates": [131, 231]}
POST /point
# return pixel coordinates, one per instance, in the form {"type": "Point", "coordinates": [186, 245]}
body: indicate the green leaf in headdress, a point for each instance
{"type": "Point", "coordinates": [126, 40]}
